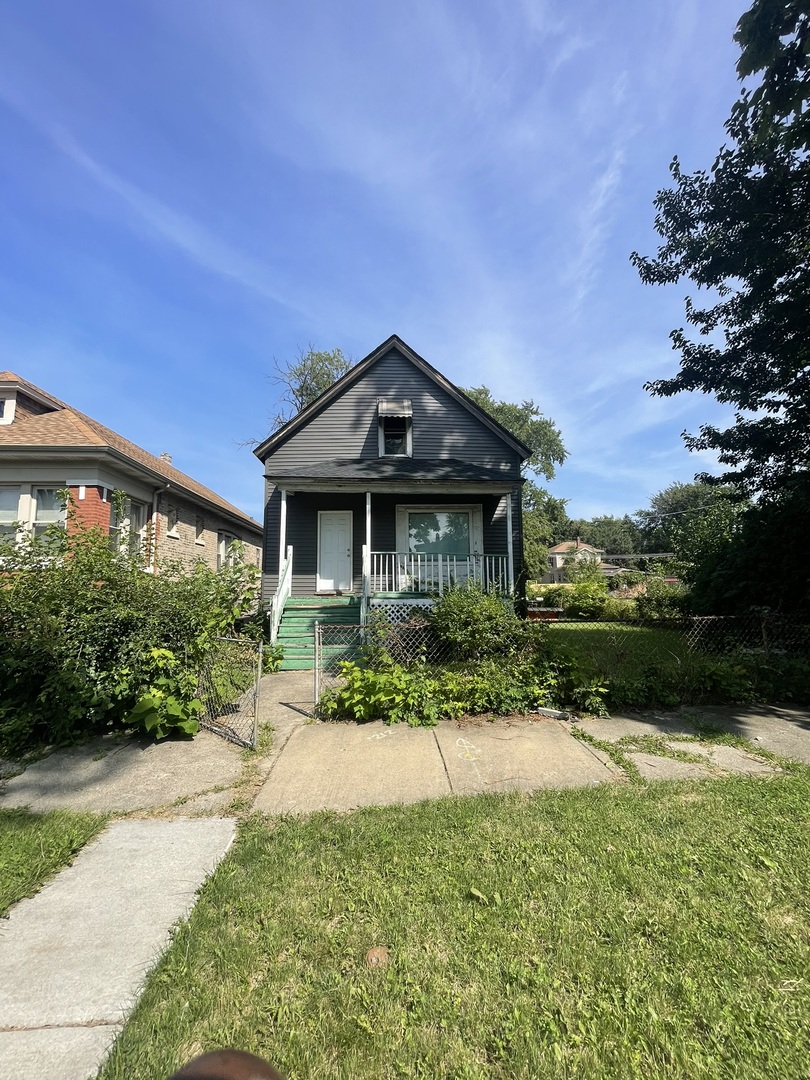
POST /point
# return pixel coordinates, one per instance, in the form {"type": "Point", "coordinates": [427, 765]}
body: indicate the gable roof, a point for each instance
{"type": "Point", "coordinates": [274, 441]}
{"type": "Point", "coordinates": [574, 545]}
{"type": "Point", "coordinates": [65, 428]}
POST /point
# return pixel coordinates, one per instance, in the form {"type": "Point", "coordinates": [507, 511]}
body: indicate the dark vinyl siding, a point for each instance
{"type": "Point", "coordinates": [272, 527]}
{"type": "Point", "coordinates": [442, 428]}
{"type": "Point", "coordinates": [302, 534]}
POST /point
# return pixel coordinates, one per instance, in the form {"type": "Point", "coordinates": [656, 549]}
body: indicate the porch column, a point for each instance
{"type": "Point", "coordinates": [282, 532]}
{"type": "Point", "coordinates": [510, 542]}
{"type": "Point", "coordinates": [367, 560]}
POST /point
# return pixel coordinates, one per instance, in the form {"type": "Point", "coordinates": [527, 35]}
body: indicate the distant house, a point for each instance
{"type": "Point", "coordinates": [390, 487]}
{"type": "Point", "coordinates": [561, 554]}
{"type": "Point", "coordinates": [46, 445]}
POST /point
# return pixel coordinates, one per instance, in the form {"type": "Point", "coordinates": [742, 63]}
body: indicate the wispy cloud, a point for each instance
{"type": "Point", "coordinates": [179, 230]}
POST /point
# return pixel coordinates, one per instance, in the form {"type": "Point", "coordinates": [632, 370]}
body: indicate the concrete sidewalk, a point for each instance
{"type": "Point", "coordinates": [73, 958]}
{"type": "Point", "coordinates": [342, 766]}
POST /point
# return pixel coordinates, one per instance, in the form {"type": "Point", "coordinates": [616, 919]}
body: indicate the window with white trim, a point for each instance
{"type": "Point", "coordinates": [440, 529]}
{"type": "Point", "coordinates": [226, 552]}
{"type": "Point", "coordinates": [395, 427]}
{"type": "Point", "coordinates": [128, 526]}
{"type": "Point", "coordinates": [9, 510]}
{"type": "Point", "coordinates": [199, 530]}
{"type": "Point", "coordinates": [30, 508]}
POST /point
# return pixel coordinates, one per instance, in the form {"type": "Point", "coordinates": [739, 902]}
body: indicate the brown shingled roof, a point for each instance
{"type": "Point", "coordinates": [65, 427]}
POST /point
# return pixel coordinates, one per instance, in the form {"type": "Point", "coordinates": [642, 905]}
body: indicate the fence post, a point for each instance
{"type": "Point", "coordinates": [257, 694]}
{"type": "Point", "coordinates": [316, 674]}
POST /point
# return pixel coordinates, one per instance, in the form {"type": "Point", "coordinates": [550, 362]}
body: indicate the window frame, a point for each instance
{"type": "Point", "coordinates": [28, 506]}
{"type": "Point", "coordinates": [224, 556]}
{"type": "Point", "coordinates": [475, 510]}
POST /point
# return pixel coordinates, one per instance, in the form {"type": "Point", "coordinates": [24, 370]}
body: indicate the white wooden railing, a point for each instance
{"type": "Point", "coordinates": [407, 571]}
{"type": "Point", "coordinates": [281, 595]}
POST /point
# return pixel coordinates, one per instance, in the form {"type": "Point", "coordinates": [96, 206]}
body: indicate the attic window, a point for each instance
{"type": "Point", "coordinates": [395, 419]}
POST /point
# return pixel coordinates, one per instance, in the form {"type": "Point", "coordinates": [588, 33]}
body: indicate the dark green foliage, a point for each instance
{"type": "Point", "coordinates": [740, 232]}
{"type": "Point", "coordinates": [305, 379]}
{"type": "Point", "coordinates": [90, 642]}
{"type": "Point", "coordinates": [615, 536]}
{"type": "Point", "coordinates": [545, 523]}
{"type": "Point", "coordinates": [661, 601]}
{"type": "Point", "coordinates": [474, 623]}
{"type": "Point", "coordinates": [421, 695]}
{"type": "Point", "coordinates": [525, 421]}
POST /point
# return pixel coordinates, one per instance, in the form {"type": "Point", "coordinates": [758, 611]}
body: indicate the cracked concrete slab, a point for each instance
{"type": "Point", "coordinates": [341, 766]}
{"type": "Point", "coordinates": [733, 759]}
{"type": "Point", "coordinates": [125, 773]}
{"type": "Point", "coordinates": [518, 754]}
{"type": "Point", "coordinates": [653, 767]}
{"type": "Point", "coordinates": [74, 958]}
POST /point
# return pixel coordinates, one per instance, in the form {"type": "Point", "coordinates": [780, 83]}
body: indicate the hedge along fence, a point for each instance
{"type": "Point", "coordinates": [89, 642]}
{"type": "Point", "coordinates": [471, 654]}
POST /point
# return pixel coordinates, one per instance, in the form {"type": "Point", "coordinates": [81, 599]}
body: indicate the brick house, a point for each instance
{"type": "Point", "coordinates": [46, 445]}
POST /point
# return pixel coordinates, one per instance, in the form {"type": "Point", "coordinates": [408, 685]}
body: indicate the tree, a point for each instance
{"type": "Point", "coordinates": [305, 379]}
{"type": "Point", "coordinates": [545, 523]}
{"type": "Point", "coordinates": [615, 536]}
{"type": "Point", "coordinates": [742, 231]}
{"type": "Point", "coordinates": [544, 517]}
{"type": "Point", "coordinates": [674, 509]}
{"type": "Point", "coordinates": [526, 421]}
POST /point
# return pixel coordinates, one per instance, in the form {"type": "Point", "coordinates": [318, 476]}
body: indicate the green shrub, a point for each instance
{"type": "Point", "coordinates": [474, 623]}
{"type": "Point", "coordinates": [552, 595]}
{"type": "Point", "coordinates": [616, 609]}
{"type": "Point", "coordinates": [661, 601]}
{"type": "Point", "coordinates": [90, 642]}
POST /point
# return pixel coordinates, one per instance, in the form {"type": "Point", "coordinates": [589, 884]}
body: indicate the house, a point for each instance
{"type": "Point", "coordinates": [561, 554]}
{"type": "Point", "coordinates": [46, 445]}
{"type": "Point", "coordinates": [387, 489]}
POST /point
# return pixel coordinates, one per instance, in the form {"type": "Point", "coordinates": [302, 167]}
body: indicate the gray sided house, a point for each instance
{"type": "Point", "coordinates": [389, 488]}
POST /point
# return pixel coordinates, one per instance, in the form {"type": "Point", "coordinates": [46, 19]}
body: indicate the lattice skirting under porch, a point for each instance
{"type": "Point", "coordinates": [399, 610]}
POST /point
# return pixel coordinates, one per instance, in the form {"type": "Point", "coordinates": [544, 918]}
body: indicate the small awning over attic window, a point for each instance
{"type": "Point", "coordinates": [394, 407]}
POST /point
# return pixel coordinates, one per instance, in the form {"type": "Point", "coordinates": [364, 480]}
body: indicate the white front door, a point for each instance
{"type": "Point", "coordinates": [334, 550]}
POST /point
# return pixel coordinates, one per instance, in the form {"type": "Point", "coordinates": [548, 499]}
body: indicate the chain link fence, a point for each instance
{"type": "Point", "coordinates": [404, 643]}
{"type": "Point", "coordinates": [228, 687]}
{"type": "Point", "coordinates": [610, 645]}
{"type": "Point", "coordinates": [767, 633]}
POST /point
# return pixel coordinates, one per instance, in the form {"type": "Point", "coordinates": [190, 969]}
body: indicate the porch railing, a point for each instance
{"type": "Point", "coordinates": [408, 571]}
{"type": "Point", "coordinates": [281, 595]}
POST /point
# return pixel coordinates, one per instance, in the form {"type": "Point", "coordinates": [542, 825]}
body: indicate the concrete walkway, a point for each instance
{"type": "Point", "coordinates": [73, 958]}
{"type": "Point", "coordinates": [342, 766]}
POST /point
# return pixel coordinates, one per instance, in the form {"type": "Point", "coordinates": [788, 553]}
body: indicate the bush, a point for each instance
{"type": "Point", "coordinates": [90, 642]}
{"type": "Point", "coordinates": [474, 623]}
{"type": "Point", "coordinates": [420, 696]}
{"type": "Point", "coordinates": [661, 601]}
{"type": "Point", "coordinates": [616, 609]}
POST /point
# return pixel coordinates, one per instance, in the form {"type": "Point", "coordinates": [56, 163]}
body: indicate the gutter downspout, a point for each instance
{"type": "Point", "coordinates": [155, 528]}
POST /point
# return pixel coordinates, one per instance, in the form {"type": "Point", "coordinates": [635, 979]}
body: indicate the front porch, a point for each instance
{"type": "Point", "coordinates": [395, 580]}
{"type": "Point", "coordinates": [391, 549]}
{"type": "Point", "coordinates": [387, 573]}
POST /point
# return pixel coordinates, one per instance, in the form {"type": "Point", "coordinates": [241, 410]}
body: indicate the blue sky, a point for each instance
{"type": "Point", "coordinates": [192, 189]}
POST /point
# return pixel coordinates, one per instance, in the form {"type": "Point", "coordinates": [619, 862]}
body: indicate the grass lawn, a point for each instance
{"type": "Point", "coordinates": [622, 647]}
{"type": "Point", "coordinates": [617, 932]}
{"type": "Point", "coordinates": [33, 847]}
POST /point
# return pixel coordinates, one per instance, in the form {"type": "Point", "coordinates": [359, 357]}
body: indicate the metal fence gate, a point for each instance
{"type": "Point", "coordinates": [228, 688]}
{"type": "Point", "coordinates": [334, 642]}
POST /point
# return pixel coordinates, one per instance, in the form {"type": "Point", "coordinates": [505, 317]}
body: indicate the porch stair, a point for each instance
{"type": "Point", "coordinates": [296, 632]}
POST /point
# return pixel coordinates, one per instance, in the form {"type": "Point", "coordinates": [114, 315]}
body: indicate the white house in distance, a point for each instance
{"type": "Point", "coordinates": [561, 554]}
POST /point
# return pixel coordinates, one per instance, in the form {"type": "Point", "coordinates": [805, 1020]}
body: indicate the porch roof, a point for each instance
{"type": "Point", "coordinates": [363, 474]}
